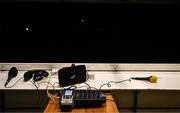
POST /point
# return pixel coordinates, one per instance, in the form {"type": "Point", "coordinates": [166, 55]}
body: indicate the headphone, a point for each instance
{"type": "Point", "coordinates": [37, 75]}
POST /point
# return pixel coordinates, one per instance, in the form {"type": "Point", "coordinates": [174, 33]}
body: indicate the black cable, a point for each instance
{"type": "Point", "coordinates": [119, 81]}
{"type": "Point", "coordinates": [75, 87]}
{"type": "Point", "coordinates": [34, 84]}
{"type": "Point", "coordinates": [43, 96]}
{"type": "Point", "coordinates": [55, 73]}
{"type": "Point", "coordinates": [38, 85]}
{"type": "Point", "coordinates": [14, 83]}
{"type": "Point", "coordinates": [38, 95]}
{"type": "Point", "coordinates": [46, 82]}
{"type": "Point", "coordinates": [109, 85]}
{"type": "Point", "coordinates": [87, 85]}
{"type": "Point", "coordinates": [103, 85]}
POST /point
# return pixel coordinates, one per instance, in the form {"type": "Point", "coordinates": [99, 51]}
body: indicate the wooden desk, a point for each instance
{"type": "Point", "coordinates": [108, 107]}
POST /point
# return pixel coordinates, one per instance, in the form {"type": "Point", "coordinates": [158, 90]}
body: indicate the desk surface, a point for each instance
{"type": "Point", "coordinates": [166, 80]}
{"type": "Point", "coordinates": [168, 76]}
{"type": "Point", "coordinates": [108, 107]}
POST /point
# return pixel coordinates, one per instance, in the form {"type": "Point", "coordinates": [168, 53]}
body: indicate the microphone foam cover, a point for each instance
{"type": "Point", "coordinates": [153, 79]}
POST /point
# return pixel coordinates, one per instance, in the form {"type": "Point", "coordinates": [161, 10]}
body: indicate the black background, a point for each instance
{"type": "Point", "coordinates": [113, 32]}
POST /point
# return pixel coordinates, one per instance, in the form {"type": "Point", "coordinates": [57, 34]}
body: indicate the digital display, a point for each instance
{"type": "Point", "coordinates": [68, 92]}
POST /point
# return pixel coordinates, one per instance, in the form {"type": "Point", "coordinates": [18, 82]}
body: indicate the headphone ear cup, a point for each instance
{"type": "Point", "coordinates": [28, 75]}
{"type": "Point", "coordinates": [39, 75]}
{"type": "Point", "coordinates": [13, 72]}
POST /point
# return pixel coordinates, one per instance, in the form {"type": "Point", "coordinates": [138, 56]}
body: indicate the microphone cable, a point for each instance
{"type": "Point", "coordinates": [109, 85]}
{"type": "Point", "coordinates": [14, 83]}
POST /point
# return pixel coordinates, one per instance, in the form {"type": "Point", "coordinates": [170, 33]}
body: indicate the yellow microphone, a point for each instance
{"type": "Point", "coordinates": [152, 78]}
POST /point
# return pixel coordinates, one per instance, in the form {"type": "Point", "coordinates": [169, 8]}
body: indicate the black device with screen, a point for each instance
{"type": "Point", "coordinates": [66, 100]}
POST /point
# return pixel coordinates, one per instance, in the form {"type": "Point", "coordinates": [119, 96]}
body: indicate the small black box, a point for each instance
{"type": "Point", "coordinates": [72, 75]}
